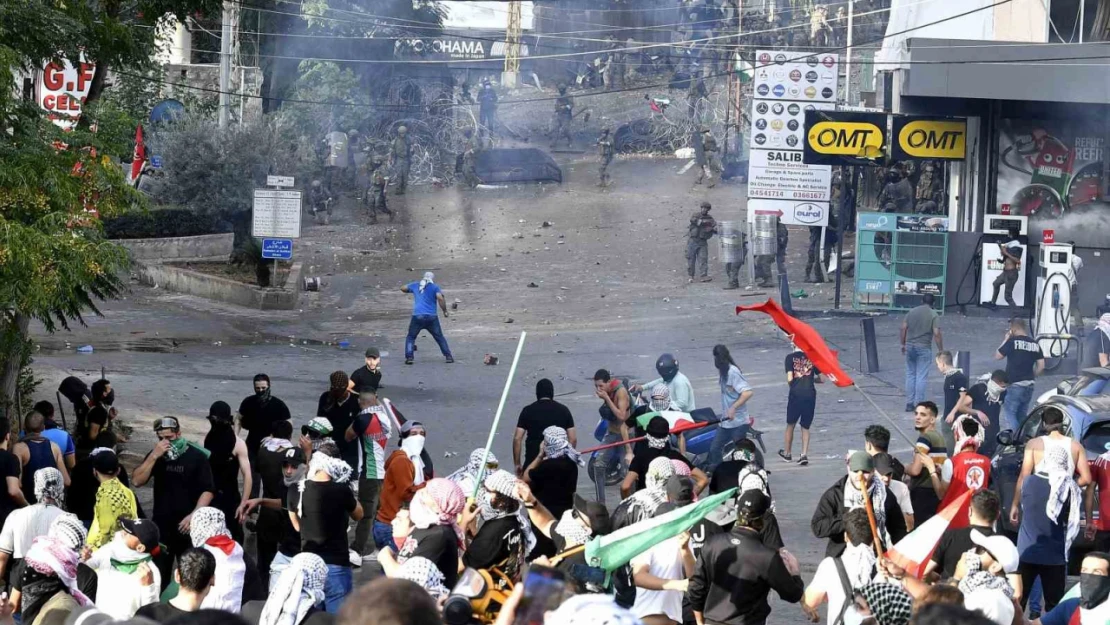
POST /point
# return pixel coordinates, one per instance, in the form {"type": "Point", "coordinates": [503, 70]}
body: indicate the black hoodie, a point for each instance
{"type": "Point", "coordinates": [828, 519]}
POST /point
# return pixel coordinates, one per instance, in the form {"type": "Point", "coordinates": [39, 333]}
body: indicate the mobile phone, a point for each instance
{"type": "Point", "coordinates": [543, 592]}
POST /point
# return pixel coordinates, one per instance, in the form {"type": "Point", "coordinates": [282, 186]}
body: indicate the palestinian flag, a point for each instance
{"type": "Point", "coordinates": [673, 417]}
{"type": "Point", "coordinates": [612, 551]}
{"type": "Point", "coordinates": [915, 550]}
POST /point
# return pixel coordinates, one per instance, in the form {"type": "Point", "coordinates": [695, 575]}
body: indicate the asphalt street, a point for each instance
{"type": "Point", "coordinates": [610, 291]}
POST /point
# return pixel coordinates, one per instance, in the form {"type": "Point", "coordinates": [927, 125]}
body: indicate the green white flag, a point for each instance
{"type": "Point", "coordinates": [614, 550]}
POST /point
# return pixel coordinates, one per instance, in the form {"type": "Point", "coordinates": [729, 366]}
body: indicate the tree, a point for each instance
{"type": "Point", "coordinates": [55, 263]}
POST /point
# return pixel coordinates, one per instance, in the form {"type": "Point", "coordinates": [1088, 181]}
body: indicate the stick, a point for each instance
{"type": "Point", "coordinates": [871, 518]}
{"type": "Point", "coordinates": [894, 425]}
{"type": "Point", "coordinates": [640, 438]}
{"type": "Point", "coordinates": [497, 417]}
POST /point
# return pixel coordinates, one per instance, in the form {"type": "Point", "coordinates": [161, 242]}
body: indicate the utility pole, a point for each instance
{"type": "Point", "coordinates": [848, 57]}
{"type": "Point", "coordinates": [512, 47]}
{"type": "Point", "coordinates": [225, 65]}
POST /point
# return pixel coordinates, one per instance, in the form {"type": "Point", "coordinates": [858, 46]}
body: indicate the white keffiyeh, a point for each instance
{"type": "Point", "coordinates": [853, 498]}
{"type": "Point", "coordinates": [429, 278]}
{"type": "Point", "coordinates": [557, 445]}
{"type": "Point", "coordinates": [423, 572]}
{"type": "Point", "coordinates": [206, 523]}
{"type": "Point", "coordinates": [336, 469]}
{"type": "Point", "coordinates": [1061, 489]}
{"type": "Point", "coordinates": [572, 530]}
{"type": "Point", "coordinates": [504, 483]}
{"type": "Point", "coordinates": [467, 476]}
{"type": "Point", "coordinates": [859, 563]}
{"type": "Point", "coordinates": [273, 443]}
{"type": "Point", "coordinates": [659, 471]}
{"type": "Point", "coordinates": [49, 486]}
{"type": "Point", "coordinates": [300, 587]}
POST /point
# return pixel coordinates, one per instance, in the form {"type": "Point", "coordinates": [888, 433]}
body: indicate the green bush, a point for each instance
{"type": "Point", "coordinates": [166, 222]}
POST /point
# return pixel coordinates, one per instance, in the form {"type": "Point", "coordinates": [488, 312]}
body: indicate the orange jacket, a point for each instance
{"type": "Point", "coordinates": [397, 487]}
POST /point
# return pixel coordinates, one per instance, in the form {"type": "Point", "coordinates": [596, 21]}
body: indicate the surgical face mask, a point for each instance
{"type": "Point", "coordinates": [1093, 590]}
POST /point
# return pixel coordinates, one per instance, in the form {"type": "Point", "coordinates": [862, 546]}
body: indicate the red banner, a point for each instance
{"type": "Point", "coordinates": [807, 339]}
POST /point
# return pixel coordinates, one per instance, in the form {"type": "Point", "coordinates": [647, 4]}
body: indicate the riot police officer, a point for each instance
{"type": "Point", "coordinates": [702, 228]}
{"type": "Point", "coordinates": [712, 160]}
{"type": "Point", "coordinates": [605, 154]}
{"type": "Point", "coordinates": [375, 194]}
{"type": "Point", "coordinates": [319, 202]}
{"type": "Point", "coordinates": [564, 113]}
{"type": "Point", "coordinates": [487, 106]}
{"type": "Point", "coordinates": [400, 156]}
{"type": "Point", "coordinates": [469, 160]}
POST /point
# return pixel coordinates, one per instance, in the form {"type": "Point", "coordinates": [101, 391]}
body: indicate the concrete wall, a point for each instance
{"type": "Point", "coordinates": [180, 280]}
{"type": "Point", "coordinates": [180, 248]}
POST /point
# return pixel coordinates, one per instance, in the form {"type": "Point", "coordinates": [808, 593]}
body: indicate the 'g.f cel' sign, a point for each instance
{"type": "Point", "coordinates": [844, 138]}
{"type": "Point", "coordinates": [928, 137]}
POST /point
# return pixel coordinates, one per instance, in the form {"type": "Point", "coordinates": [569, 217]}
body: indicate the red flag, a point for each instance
{"type": "Point", "coordinates": [914, 552]}
{"type": "Point", "coordinates": [807, 339]}
{"type": "Point", "coordinates": [139, 156]}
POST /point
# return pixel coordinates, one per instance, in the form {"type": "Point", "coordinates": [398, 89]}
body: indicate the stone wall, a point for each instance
{"type": "Point", "coordinates": [246, 80]}
{"type": "Point", "coordinates": [169, 249]}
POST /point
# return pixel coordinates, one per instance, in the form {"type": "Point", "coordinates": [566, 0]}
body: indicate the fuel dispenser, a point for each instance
{"type": "Point", "coordinates": [996, 230]}
{"type": "Point", "coordinates": [1052, 315]}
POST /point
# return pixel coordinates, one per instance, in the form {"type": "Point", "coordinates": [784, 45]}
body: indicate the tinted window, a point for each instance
{"type": "Point", "coordinates": [1097, 441]}
{"type": "Point", "coordinates": [1031, 427]}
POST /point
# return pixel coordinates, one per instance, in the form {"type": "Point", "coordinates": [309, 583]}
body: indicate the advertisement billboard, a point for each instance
{"type": "Point", "coordinates": [844, 138]}
{"type": "Point", "coordinates": [1048, 168]}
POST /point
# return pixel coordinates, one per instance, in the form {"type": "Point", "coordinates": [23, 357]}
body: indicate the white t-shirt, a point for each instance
{"type": "Point", "coordinates": [23, 525]}
{"type": "Point", "coordinates": [827, 580]}
{"type": "Point", "coordinates": [902, 495]}
{"type": "Point", "coordinates": [664, 561]}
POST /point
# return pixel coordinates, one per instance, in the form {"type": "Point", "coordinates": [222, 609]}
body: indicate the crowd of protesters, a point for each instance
{"type": "Point", "coordinates": [268, 525]}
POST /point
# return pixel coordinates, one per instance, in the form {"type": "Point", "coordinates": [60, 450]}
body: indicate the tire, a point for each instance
{"type": "Point", "coordinates": [615, 475]}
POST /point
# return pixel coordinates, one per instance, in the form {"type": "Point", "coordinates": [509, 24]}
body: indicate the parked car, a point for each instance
{"type": "Point", "coordinates": [1086, 418]}
{"type": "Point", "coordinates": [1089, 382]}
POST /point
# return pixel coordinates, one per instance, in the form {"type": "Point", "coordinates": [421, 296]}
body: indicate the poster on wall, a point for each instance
{"type": "Point", "coordinates": [1049, 168]}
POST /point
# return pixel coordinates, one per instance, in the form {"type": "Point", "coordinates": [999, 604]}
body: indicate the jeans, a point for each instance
{"type": "Point", "coordinates": [1036, 597]}
{"type": "Point", "coordinates": [431, 324]}
{"type": "Point", "coordinates": [697, 257]}
{"type": "Point", "coordinates": [1016, 404]}
{"type": "Point", "coordinates": [607, 459]}
{"type": "Point", "coordinates": [279, 564]}
{"type": "Point", "coordinates": [918, 362]}
{"type": "Point", "coordinates": [383, 535]}
{"type": "Point", "coordinates": [338, 585]}
{"type": "Point", "coordinates": [368, 492]}
{"type": "Point", "coordinates": [723, 437]}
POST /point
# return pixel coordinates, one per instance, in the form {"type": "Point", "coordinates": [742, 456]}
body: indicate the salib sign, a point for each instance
{"type": "Point", "coordinates": [61, 90]}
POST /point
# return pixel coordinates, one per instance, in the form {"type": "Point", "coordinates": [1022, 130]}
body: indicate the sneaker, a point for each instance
{"type": "Point", "coordinates": [706, 279]}
{"type": "Point", "coordinates": [408, 361]}
{"type": "Point", "coordinates": [371, 557]}
{"type": "Point", "coordinates": [803, 460]}
{"type": "Point", "coordinates": [450, 360]}
{"type": "Point", "coordinates": [356, 560]}
{"type": "Point", "coordinates": [909, 407]}
{"type": "Point", "coordinates": [785, 456]}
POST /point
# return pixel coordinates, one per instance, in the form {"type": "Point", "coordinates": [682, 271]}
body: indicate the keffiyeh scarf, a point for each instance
{"type": "Point", "coordinates": [656, 443]}
{"type": "Point", "coordinates": [273, 443]}
{"type": "Point", "coordinates": [591, 609]}
{"type": "Point", "coordinates": [439, 503]}
{"type": "Point", "coordinates": [467, 476]}
{"type": "Point", "coordinates": [977, 579]}
{"type": "Point", "coordinates": [207, 523]}
{"type": "Point", "coordinates": [1061, 489]}
{"type": "Point", "coordinates": [572, 530]}
{"type": "Point", "coordinates": [890, 604]}
{"type": "Point", "coordinates": [337, 470]}
{"type": "Point", "coordinates": [660, 397]}
{"type": "Point", "coordinates": [429, 278]}
{"type": "Point", "coordinates": [659, 471]}
{"type": "Point", "coordinates": [557, 445]}
{"type": "Point", "coordinates": [1104, 324]}
{"type": "Point", "coordinates": [300, 587]}
{"type": "Point", "coordinates": [67, 529]}
{"type": "Point", "coordinates": [853, 498]}
{"type": "Point", "coordinates": [49, 486]}
{"type": "Point", "coordinates": [423, 572]}
{"type": "Point", "coordinates": [49, 556]}
{"type": "Point", "coordinates": [504, 483]}
{"type": "Point", "coordinates": [859, 563]}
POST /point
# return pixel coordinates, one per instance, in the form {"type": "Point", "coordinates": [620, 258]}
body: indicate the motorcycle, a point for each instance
{"type": "Point", "coordinates": [698, 443]}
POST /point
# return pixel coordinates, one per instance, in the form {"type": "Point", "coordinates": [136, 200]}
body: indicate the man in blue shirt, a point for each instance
{"type": "Point", "coordinates": [55, 434]}
{"type": "Point", "coordinates": [426, 294]}
{"type": "Point", "coordinates": [1092, 603]}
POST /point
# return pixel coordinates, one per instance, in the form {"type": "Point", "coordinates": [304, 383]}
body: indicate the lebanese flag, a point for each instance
{"type": "Point", "coordinates": [806, 338]}
{"type": "Point", "coordinates": [915, 550]}
{"type": "Point", "coordinates": [139, 156]}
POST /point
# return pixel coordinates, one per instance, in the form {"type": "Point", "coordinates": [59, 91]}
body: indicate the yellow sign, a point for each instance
{"type": "Point", "coordinates": [934, 139]}
{"type": "Point", "coordinates": [859, 139]}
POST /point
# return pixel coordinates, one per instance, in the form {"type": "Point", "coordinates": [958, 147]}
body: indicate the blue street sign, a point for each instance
{"type": "Point", "coordinates": [156, 161]}
{"type": "Point", "coordinates": [279, 249]}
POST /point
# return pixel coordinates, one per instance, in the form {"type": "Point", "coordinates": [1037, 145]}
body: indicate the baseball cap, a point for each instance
{"type": "Point", "coordinates": [680, 490]}
{"type": "Point", "coordinates": [1000, 548]}
{"type": "Point", "coordinates": [883, 464]}
{"type": "Point", "coordinates": [372, 352]}
{"type": "Point", "coordinates": [105, 461]}
{"type": "Point", "coordinates": [594, 512]}
{"type": "Point", "coordinates": [991, 603]}
{"type": "Point", "coordinates": [861, 461]}
{"type": "Point", "coordinates": [753, 504]}
{"type": "Point", "coordinates": [143, 529]}
{"type": "Point", "coordinates": [318, 426]}
{"type": "Point", "coordinates": [293, 456]}
{"type": "Point", "coordinates": [658, 427]}
{"type": "Point", "coordinates": [220, 412]}
{"type": "Point", "coordinates": [167, 423]}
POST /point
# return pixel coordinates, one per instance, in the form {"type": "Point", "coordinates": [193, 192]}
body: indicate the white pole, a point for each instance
{"type": "Point", "coordinates": [848, 56]}
{"type": "Point", "coordinates": [1082, 6]}
{"type": "Point", "coordinates": [225, 66]}
{"type": "Point", "coordinates": [497, 417]}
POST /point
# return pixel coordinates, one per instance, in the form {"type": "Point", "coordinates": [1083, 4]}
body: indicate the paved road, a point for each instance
{"type": "Point", "coordinates": [611, 292]}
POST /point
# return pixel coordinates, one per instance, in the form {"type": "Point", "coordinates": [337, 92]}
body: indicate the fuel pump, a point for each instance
{"type": "Point", "coordinates": [996, 229]}
{"type": "Point", "coordinates": [1052, 314]}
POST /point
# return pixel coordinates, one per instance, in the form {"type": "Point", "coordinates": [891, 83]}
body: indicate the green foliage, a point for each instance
{"type": "Point", "coordinates": [165, 222]}
{"type": "Point", "coordinates": [322, 81]}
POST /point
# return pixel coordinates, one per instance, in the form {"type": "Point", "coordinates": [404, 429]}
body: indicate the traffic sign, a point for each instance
{"type": "Point", "coordinates": [279, 181]}
{"type": "Point", "coordinates": [277, 214]}
{"type": "Point", "coordinates": [277, 249]}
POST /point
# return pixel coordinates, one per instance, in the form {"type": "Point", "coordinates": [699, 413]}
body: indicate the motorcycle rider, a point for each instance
{"type": "Point", "coordinates": [319, 201]}
{"type": "Point", "coordinates": [682, 392]}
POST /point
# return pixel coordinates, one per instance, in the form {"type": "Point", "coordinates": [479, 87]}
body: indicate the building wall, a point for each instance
{"type": "Point", "coordinates": [1021, 20]}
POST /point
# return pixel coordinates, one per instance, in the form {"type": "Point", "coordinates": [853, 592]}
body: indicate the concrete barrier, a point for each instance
{"type": "Point", "coordinates": [181, 280]}
{"type": "Point", "coordinates": [179, 248]}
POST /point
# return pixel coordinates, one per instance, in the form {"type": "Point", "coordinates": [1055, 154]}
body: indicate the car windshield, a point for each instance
{"type": "Point", "coordinates": [1097, 440]}
{"type": "Point", "coordinates": [1031, 428]}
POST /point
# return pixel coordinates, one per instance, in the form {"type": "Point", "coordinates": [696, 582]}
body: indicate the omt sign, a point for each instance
{"type": "Point", "coordinates": [844, 138]}
{"type": "Point", "coordinates": [933, 138]}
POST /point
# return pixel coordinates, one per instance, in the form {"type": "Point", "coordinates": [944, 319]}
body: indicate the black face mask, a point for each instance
{"type": "Point", "coordinates": [1093, 590]}
{"type": "Point", "coordinates": [110, 398]}
{"type": "Point", "coordinates": [263, 395]}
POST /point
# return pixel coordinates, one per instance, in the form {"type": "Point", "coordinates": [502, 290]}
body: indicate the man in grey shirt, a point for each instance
{"type": "Point", "coordinates": [920, 327]}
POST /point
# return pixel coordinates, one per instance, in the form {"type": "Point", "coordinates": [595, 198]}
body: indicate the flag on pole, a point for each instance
{"type": "Point", "coordinates": [612, 551]}
{"type": "Point", "coordinates": [915, 550]}
{"type": "Point", "coordinates": [806, 339]}
{"type": "Point", "coordinates": [139, 156]}
{"type": "Point", "coordinates": [673, 417]}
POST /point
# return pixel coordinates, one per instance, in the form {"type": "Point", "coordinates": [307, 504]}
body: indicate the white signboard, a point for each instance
{"type": "Point", "coordinates": [61, 89]}
{"type": "Point", "coordinates": [279, 181]}
{"type": "Point", "coordinates": [782, 75]}
{"type": "Point", "coordinates": [277, 214]}
{"type": "Point", "coordinates": [781, 125]}
{"type": "Point", "coordinates": [781, 175]}
{"type": "Point", "coordinates": [791, 213]}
